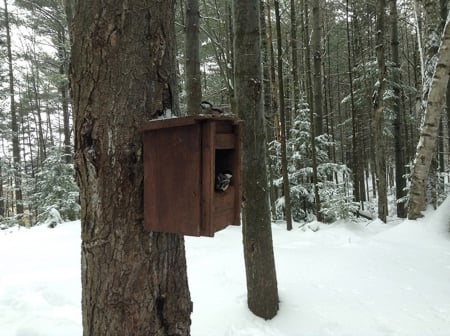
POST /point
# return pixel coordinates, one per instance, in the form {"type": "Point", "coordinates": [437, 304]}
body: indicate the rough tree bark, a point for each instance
{"type": "Point", "coordinates": [356, 161]}
{"type": "Point", "coordinates": [294, 57]}
{"type": "Point", "coordinates": [14, 122]}
{"type": "Point", "coordinates": [399, 143]}
{"type": "Point", "coordinates": [448, 111]}
{"type": "Point", "coordinates": [262, 290]}
{"type": "Point", "coordinates": [317, 110]}
{"type": "Point", "coordinates": [431, 32]}
{"type": "Point", "coordinates": [268, 102]}
{"type": "Point", "coordinates": [317, 66]}
{"type": "Point", "coordinates": [429, 132]}
{"type": "Point", "coordinates": [122, 74]}
{"type": "Point", "coordinates": [378, 105]}
{"type": "Point", "coordinates": [192, 59]}
{"type": "Point", "coordinates": [64, 92]}
{"type": "Point", "coordinates": [2, 198]}
{"type": "Point", "coordinates": [283, 122]}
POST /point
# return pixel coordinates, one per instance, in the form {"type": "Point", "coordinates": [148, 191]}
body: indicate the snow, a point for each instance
{"type": "Point", "coordinates": [348, 278]}
{"type": "Point", "coordinates": [39, 281]}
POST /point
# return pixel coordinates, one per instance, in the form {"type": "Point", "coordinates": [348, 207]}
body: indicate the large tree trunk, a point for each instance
{"type": "Point", "coordinates": [258, 247]}
{"type": "Point", "coordinates": [122, 74]}
{"type": "Point", "coordinates": [428, 136]}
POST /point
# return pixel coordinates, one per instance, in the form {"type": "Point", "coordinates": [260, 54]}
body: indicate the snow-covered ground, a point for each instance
{"type": "Point", "coordinates": [354, 278]}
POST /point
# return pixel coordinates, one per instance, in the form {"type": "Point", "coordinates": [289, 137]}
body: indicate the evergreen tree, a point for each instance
{"type": "Point", "coordinates": [336, 202]}
{"type": "Point", "coordinates": [55, 189]}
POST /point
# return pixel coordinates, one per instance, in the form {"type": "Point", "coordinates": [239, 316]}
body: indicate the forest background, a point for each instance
{"type": "Point", "coordinates": [341, 154]}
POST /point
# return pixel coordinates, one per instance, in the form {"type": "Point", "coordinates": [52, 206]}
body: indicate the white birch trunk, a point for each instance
{"type": "Point", "coordinates": [429, 132]}
{"type": "Point", "coordinates": [417, 15]}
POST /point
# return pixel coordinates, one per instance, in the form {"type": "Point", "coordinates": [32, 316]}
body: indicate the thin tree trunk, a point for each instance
{"type": "Point", "coordinates": [329, 106]}
{"type": "Point", "coordinates": [276, 132]}
{"type": "Point", "coordinates": [63, 91]}
{"type": "Point", "coordinates": [294, 52]}
{"type": "Point", "coordinates": [377, 99]}
{"type": "Point", "coordinates": [284, 163]}
{"type": "Point", "coordinates": [37, 104]}
{"type": "Point", "coordinates": [448, 113]}
{"type": "Point", "coordinates": [123, 74]}
{"type": "Point", "coordinates": [428, 136]}
{"type": "Point", "coordinates": [317, 110]}
{"type": "Point", "coordinates": [14, 123]}
{"type": "Point", "coordinates": [355, 160]}
{"type": "Point", "coordinates": [2, 196]}
{"type": "Point", "coordinates": [399, 135]}
{"type": "Point", "coordinates": [408, 99]}
{"type": "Point", "coordinates": [268, 102]}
{"type": "Point", "coordinates": [340, 118]}
{"type": "Point", "coordinates": [230, 54]}
{"type": "Point", "coordinates": [419, 24]}
{"type": "Point", "coordinates": [192, 58]}
{"type": "Point", "coordinates": [440, 158]}
{"type": "Point", "coordinates": [27, 139]}
{"type": "Point", "coordinates": [24, 129]}
{"type": "Point", "coordinates": [317, 66]}
{"type": "Point", "coordinates": [307, 55]}
{"type": "Point", "coordinates": [262, 292]}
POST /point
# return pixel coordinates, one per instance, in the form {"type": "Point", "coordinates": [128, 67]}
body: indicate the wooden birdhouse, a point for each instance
{"type": "Point", "coordinates": [192, 174]}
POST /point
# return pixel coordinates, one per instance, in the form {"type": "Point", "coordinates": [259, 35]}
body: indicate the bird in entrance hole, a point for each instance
{"type": "Point", "coordinates": [222, 181]}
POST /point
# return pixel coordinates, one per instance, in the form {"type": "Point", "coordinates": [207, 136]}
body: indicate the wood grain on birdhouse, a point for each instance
{"type": "Point", "coordinates": [183, 159]}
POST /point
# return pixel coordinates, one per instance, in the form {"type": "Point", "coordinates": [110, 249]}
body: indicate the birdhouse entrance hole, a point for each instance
{"type": "Point", "coordinates": [192, 174]}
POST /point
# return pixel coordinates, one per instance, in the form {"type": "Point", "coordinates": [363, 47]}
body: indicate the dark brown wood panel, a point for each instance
{"type": "Point", "coordinates": [181, 159]}
{"type": "Point", "coordinates": [237, 172]}
{"type": "Point", "coordinates": [172, 186]}
{"type": "Point", "coordinates": [224, 208]}
{"type": "Point", "coordinates": [169, 123]}
{"type": "Point", "coordinates": [225, 140]}
{"type": "Point", "coordinates": [208, 162]}
{"type": "Point", "coordinates": [224, 126]}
